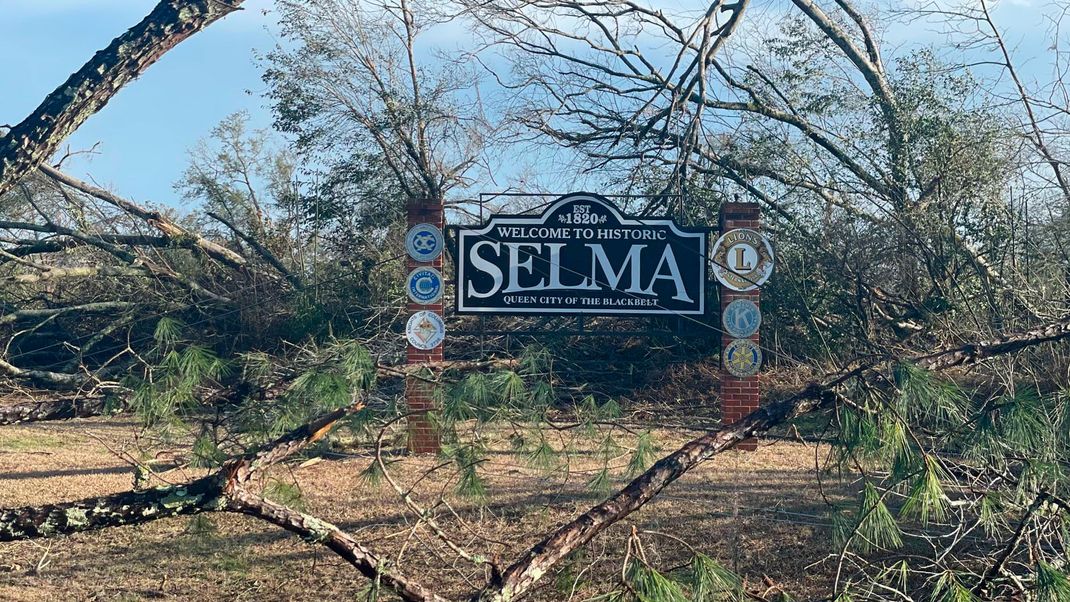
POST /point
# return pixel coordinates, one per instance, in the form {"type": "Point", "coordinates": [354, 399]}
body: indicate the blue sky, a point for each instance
{"type": "Point", "coordinates": [145, 131]}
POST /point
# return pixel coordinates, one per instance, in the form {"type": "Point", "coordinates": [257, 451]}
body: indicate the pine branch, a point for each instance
{"type": "Point", "coordinates": [533, 565]}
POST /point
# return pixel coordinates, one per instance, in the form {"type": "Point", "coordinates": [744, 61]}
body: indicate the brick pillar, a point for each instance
{"type": "Point", "coordinates": [419, 394]}
{"type": "Point", "coordinates": [739, 396]}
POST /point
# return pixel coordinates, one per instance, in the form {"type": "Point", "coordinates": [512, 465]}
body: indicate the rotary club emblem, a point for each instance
{"type": "Point", "coordinates": [742, 358]}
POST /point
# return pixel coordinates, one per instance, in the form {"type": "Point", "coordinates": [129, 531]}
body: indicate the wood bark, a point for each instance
{"type": "Point", "coordinates": [341, 543]}
{"type": "Point", "coordinates": [223, 491]}
{"type": "Point", "coordinates": [43, 377]}
{"type": "Point", "coordinates": [63, 408]}
{"type": "Point", "coordinates": [127, 508]}
{"type": "Point", "coordinates": [262, 251]}
{"type": "Point", "coordinates": [518, 579]}
{"type": "Point", "coordinates": [31, 142]}
{"type": "Point", "coordinates": [209, 493]}
{"type": "Point", "coordinates": [51, 312]}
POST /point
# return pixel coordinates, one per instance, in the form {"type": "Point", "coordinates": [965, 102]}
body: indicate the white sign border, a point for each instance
{"type": "Point", "coordinates": [568, 198]}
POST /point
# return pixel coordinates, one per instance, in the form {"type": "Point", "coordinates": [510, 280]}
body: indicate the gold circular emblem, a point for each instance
{"type": "Point", "coordinates": [742, 259]}
{"type": "Point", "coordinates": [742, 358]}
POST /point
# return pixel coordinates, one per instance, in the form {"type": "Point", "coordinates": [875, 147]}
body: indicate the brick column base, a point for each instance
{"type": "Point", "coordinates": [739, 396]}
{"type": "Point", "coordinates": [420, 394]}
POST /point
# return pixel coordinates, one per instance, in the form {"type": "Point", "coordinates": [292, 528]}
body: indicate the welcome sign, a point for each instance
{"type": "Point", "coordinates": [581, 256]}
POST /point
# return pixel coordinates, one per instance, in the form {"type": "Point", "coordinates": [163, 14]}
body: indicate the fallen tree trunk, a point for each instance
{"type": "Point", "coordinates": [225, 490]}
{"type": "Point", "coordinates": [52, 409]}
{"type": "Point", "coordinates": [44, 378]}
{"type": "Point", "coordinates": [127, 508]}
{"type": "Point", "coordinates": [172, 231]}
{"type": "Point", "coordinates": [209, 493]}
{"type": "Point", "coordinates": [341, 543]}
{"type": "Point", "coordinates": [517, 579]}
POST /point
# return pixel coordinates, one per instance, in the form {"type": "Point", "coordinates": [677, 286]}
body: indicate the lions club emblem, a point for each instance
{"type": "Point", "coordinates": [742, 259]}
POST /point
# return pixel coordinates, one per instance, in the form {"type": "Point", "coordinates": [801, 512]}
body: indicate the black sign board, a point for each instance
{"type": "Point", "coordinates": [581, 256]}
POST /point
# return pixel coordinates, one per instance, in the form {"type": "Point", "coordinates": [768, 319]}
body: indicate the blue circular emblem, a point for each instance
{"type": "Point", "coordinates": [424, 242]}
{"type": "Point", "coordinates": [741, 318]}
{"type": "Point", "coordinates": [424, 285]}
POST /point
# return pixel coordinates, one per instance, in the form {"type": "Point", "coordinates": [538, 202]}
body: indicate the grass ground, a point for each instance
{"type": "Point", "coordinates": [759, 513]}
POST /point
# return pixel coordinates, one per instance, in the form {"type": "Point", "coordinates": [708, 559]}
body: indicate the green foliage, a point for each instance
{"type": "Point", "coordinates": [542, 455]}
{"type": "Point", "coordinates": [287, 494]}
{"type": "Point", "coordinates": [165, 393]}
{"type": "Point", "coordinates": [1024, 424]}
{"type": "Point", "coordinates": [644, 454]}
{"type": "Point", "coordinates": [325, 377]}
{"type": "Point", "coordinates": [256, 367]}
{"type": "Point", "coordinates": [648, 585]}
{"type": "Point", "coordinates": [535, 360]}
{"type": "Point", "coordinates": [601, 482]}
{"type": "Point", "coordinates": [926, 498]}
{"type": "Point", "coordinates": [510, 387]}
{"type": "Point", "coordinates": [478, 390]}
{"type": "Point", "coordinates": [206, 454]}
{"type": "Point", "coordinates": [167, 331]}
{"type": "Point", "coordinates": [1052, 584]}
{"type": "Point", "coordinates": [927, 399]}
{"type": "Point", "coordinates": [372, 475]}
{"type": "Point", "coordinates": [877, 528]}
{"type": "Point", "coordinates": [710, 581]}
{"type": "Point", "coordinates": [859, 434]}
{"type": "Point", "coordinates": [467, 458]}
{"type": "Point", "coordinates": [609, 410]}
{"type": "Point", "coordinates": [454, 404]}
{"type": "Point", "coordinates": [990, 513]}
{"type": "Point", "coordinates": [950, 589]}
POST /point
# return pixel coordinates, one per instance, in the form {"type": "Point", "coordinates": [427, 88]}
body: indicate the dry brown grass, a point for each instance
{"type": "Point", "coordinates": [748, 510]}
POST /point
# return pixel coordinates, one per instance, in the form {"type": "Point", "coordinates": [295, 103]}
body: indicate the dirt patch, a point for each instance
{"type": "Point", "coordinates": [759, 513]}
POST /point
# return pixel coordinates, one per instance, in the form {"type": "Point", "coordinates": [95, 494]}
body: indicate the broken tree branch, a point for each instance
{"type": "Point", "coordinates": [86, 91]}
{"type": "Point", "coordinates": [179, 235]}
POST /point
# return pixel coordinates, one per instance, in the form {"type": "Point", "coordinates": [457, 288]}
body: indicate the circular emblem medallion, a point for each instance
{"type": "Point", "coordinates": [742, 259]}
{"type": "Point", "coordinates": [741, 318]}
{"type": "Point", "coordinates": [424, 242]}
{"type": "Point", "coordinates": [425, 330]}
{"type": "Point", "coordinates": [742, 358]}
{"type": "Point", "coordinates": [424, 285]}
